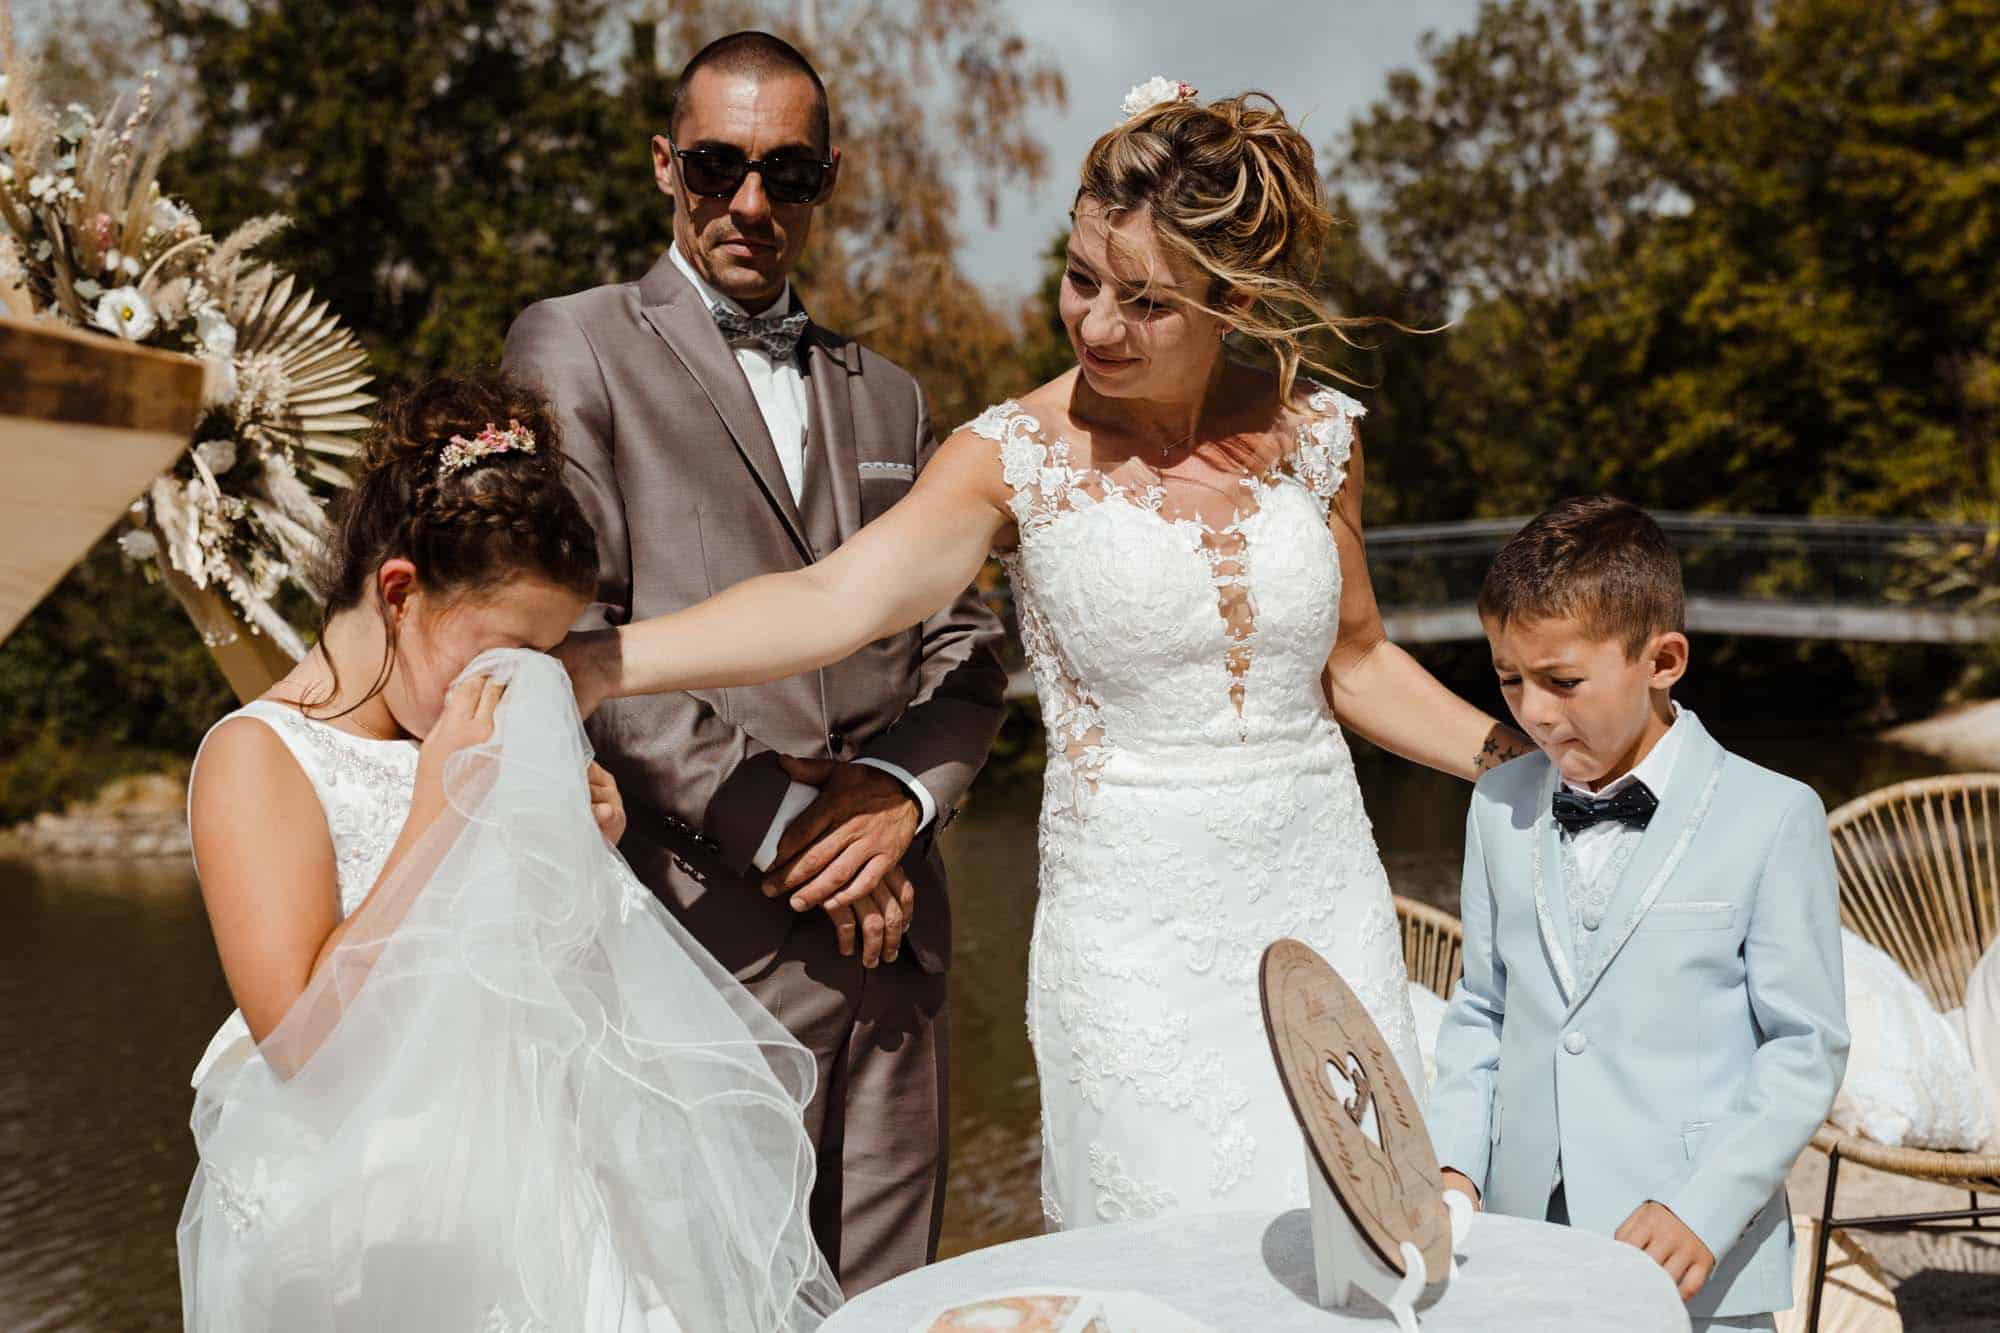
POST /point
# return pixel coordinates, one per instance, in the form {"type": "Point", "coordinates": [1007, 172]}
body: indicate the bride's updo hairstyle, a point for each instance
{"type": "Point", "coordinates": [469, 527]}
{"type": "Point", "coordinates": [1231, 185]}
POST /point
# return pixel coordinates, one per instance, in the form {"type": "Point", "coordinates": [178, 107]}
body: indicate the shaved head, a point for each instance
{"type": "Point", "coordinates": [752, 55]}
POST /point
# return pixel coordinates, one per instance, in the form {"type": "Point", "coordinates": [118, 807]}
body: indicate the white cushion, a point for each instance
{"type": "Point", "coordinates": [1429, 1012]}
{"type": "Point", "coordinates": [1982, 1033]}
{"type": "Point", "coordinates": [1910, 1081]}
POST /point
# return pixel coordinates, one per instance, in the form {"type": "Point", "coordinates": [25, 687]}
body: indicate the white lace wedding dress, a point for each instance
{"type": "Point", "coordinates": [1199, 803]}
{"type": "Point", "coordinates": [517, 1096]}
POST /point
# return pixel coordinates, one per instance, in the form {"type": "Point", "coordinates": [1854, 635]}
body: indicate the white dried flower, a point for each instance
{"type": "Point", "coordinates": [1153, 92]}
{"type": "Point", "coordinates": [140, 545]}
{"type": "Point", "coordinates": [6, 128]}
{"type": "Point", "coordinates": [111, 259]}
{"type": "Point", "coordinates": [41, 188]}
{"type": "Point", "coordinates": [265, 388]}
{"type": "Point", "coordinates": [216, 334]}
{"type": "Point", "coordinates": [219, 386]}
{"type": "Point", "coordinates": [165, 216]}
{"type": "Point", "coordinates": [218, 456]}
{"type": "Point", "coordinates": [74, 122]}
{"type": "Point", "coordinates": [125, 312]}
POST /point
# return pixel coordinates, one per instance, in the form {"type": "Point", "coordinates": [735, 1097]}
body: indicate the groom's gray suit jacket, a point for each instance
{"type": "Point", "coordinates": [677, 472]}
{"type": "Point", "coordinates": [1696, 1061]}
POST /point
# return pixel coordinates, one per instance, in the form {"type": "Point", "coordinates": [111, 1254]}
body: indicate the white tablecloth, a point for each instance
{"type": "Point", "coordinates": [1240, 1271]}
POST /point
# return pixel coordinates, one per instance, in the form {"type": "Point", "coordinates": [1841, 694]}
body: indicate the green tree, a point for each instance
{"type": "Point", "coordinates": [1708, 255]}
{"type": "Point", "coordinates": [1730, 255]}
{"type": "Point", "coordinates": [444, 162]}
{"type": "Point", "coordinates": [447, 162]}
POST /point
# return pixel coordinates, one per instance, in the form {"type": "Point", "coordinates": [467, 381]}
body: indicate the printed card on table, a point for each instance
{"type": "Point", "coordinates": [1060, 1310]}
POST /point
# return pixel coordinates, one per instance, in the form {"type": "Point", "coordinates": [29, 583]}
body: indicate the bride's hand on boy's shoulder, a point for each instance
{"type": "Point", "coordinates": [1670, 1243]}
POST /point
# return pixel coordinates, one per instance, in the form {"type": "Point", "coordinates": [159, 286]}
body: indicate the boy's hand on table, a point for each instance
{"type": "Point", "coordinates": [1458, 1180]}
{"type": "Point", "coordinates": [1652, 1227]}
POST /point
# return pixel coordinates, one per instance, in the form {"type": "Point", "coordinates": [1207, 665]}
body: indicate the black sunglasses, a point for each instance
{"type": "Point", "coordinates": [717, 173]}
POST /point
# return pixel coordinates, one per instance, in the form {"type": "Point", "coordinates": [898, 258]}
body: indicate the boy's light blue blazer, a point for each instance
{"type": "Point", "coordinates": [1696, 1063]}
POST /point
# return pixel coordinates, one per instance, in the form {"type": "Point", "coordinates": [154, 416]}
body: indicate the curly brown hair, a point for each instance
{"type": "Point", "coordinates": [504, 516]}
{"type": "Point", "coordinates": [1233, 187]}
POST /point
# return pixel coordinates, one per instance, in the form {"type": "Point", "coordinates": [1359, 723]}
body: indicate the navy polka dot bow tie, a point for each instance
{"type": "Point", "coordinates": [777, 338]}
{"type": "Point", "coordinates": [1634, 805]}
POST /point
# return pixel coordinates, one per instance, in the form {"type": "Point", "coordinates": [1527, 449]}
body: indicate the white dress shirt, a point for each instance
{"type": "Point", "coordinates": [1593, 846]}
{"type": "Point", "coordinates": [780, 391]}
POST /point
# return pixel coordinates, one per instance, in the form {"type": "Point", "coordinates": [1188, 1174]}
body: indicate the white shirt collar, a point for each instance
{"type": "Point", "coordinates": [716, 300]}
{"type": "Point", "coordinates": [1655, 768]}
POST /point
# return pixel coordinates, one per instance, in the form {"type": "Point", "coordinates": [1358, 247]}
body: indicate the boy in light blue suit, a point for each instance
{"type": "Point", "coordinates": [1651, 1023]}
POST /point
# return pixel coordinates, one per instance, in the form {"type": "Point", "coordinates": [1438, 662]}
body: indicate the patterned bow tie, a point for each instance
{"type": "Point", "coordinates": [777, 338]}
{"type": "Point", "coordinates": [1634, 806]}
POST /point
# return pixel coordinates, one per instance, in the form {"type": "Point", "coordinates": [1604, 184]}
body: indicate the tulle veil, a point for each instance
{"type": "Point", "coordinates": [519, 1096]}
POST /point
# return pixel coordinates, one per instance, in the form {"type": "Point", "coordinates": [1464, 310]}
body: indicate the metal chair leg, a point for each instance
{"type": "Point", "coordinates": [1821, 1241]}
{"type": "Point", "coordinates": [1978, 1224]}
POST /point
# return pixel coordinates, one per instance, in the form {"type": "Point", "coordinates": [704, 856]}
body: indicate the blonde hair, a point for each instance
{"type": "Point", "coordinates": [1232, 186]}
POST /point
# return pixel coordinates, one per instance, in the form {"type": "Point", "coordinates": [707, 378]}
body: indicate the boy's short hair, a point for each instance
{"type": "Point", "coordinates": [1598, 560]}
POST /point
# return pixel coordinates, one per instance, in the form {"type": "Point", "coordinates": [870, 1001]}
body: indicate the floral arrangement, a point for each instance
{"type": "Point", "coordinates": [89, 236]}
{"type": "Point", "coordinates": [1153, 92]}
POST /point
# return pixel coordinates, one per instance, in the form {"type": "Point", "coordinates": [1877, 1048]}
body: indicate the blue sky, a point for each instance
{"type": "Point", "coordinates": [1322, 59]}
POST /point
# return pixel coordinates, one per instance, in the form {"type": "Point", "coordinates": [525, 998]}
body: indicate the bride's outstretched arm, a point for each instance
{"type": "Point", "coordinates": [1382, 693]}
{"type": "Point", "coordinates": [901, 568]}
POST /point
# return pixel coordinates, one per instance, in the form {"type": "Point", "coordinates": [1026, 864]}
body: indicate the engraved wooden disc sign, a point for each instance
{"type": "Point", "coordinates": [1340, 1077]}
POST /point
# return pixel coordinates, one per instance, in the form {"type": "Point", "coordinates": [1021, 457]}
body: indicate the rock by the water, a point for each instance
{"type": "Point", "coordinates": [143, 816]}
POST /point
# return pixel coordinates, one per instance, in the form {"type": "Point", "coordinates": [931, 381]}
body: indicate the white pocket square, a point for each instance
{"type": "Point", "coordinates": [894, 471]}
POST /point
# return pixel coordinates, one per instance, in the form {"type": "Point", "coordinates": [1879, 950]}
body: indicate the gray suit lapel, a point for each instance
{"type": "Point", "coordinates": [676, 312]}
{"type": "Point", "coordinates": [832, 492]}
{"type": "Point", "coordinates": [1675, 825]}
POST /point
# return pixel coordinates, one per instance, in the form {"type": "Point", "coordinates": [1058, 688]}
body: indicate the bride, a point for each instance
{"type": "Point", "coordinates": [478, 1078]}
{"type": "Point", "coordinates": [1183, 536]}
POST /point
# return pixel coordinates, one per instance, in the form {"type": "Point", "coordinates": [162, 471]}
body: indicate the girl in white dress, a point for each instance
{"type": "Point", "coordinates": [1183, 537]}
{"type": "Point", "coordinates": [478, 1079]}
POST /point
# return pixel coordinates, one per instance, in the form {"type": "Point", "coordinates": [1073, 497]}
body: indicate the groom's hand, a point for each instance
{"type": "Point", "coordinates": [841, 853]}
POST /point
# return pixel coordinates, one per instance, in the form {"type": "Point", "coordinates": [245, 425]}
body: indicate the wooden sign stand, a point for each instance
{"type": "Point", "coordinates": [1382, 1222]}
{"type": "Point", "coordinates": [86, 423]}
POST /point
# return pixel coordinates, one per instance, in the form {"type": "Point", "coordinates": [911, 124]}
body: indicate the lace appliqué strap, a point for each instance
{"type": "Point", "coordinates": [1041, 484]}
{"type": "Point", "coordinates": [1325, 443]}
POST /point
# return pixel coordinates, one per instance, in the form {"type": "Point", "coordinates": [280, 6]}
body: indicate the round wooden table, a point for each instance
{"type": "Point", "coordinates": [1254, 1270]}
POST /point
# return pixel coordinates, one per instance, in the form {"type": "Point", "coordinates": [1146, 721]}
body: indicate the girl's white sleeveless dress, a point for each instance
{"type": "Point", "coordinates": [516, 1096]}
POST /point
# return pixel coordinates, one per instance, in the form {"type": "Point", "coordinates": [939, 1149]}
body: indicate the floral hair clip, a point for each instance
{"type": "Point", "coordinates": [1156, 91]}
{"type": "Point", "coordinates": [463, 453]}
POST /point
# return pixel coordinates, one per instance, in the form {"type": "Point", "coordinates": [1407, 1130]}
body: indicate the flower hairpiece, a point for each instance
{"type": "Point", "coordinates": [463, 453]}
{"type": "Point", "coordinates": [1154, 92]}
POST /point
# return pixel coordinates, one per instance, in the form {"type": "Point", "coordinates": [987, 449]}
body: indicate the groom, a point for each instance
{"type": "Point", "coordinates": [717, 434]}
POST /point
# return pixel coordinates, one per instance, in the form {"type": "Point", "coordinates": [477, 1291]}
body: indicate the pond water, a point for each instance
{"type": "Point", "coordinates": [109, 990]}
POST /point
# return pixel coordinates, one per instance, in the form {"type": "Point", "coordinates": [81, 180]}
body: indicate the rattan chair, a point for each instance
{"type": "Point", "coordinates": [1433, 945]}
{"type": "Point", "coordinates": [1919, 867]}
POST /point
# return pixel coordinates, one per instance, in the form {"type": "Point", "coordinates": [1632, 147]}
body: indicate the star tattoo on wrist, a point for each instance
{"type": "Point", "coordinates": [1502, 743]}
